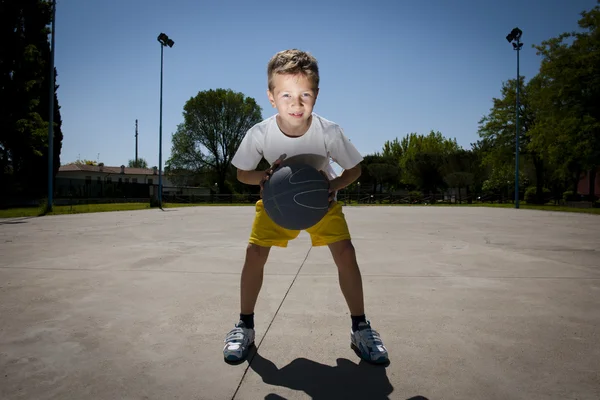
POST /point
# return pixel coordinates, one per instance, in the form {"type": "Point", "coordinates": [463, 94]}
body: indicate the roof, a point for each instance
{"type": "Point", "coordinates": [105, 169]}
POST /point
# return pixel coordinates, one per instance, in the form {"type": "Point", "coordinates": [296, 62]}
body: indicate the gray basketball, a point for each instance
{"type": "Point", "coordinates": [296, 196]}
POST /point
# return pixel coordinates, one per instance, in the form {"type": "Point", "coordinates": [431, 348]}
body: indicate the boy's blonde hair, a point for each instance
{"type": "Point", "coordinates": [293, 61]}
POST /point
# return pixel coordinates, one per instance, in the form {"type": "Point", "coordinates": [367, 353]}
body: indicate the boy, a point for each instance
{"type": "Point", "coordinates": [293, 86]}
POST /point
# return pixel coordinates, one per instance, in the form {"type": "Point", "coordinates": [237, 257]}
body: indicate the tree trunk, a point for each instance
{"type": "Point", "coordinates": [539, 180]}
{"type": "Point", "coordinates": [576, 181]}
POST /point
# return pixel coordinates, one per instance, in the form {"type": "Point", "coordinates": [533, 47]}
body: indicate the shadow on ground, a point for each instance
{"type": "Point", "coordinates": [346, 380]}
{"type": "Point", "coordinates": [14, 221]}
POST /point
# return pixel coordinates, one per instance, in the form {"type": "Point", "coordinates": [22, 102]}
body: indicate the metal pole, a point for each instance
{"type": "Point", "coordinates": [51, 116]}
{"type": "Point", "coordinates": [136, 143]}
{"type": "Point", "coordinates": [517, 133]}
{"type": "Point", "coordinates": [160, 133]}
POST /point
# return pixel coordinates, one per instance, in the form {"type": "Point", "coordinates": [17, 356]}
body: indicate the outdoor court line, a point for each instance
{"type": "Point", "coordinates": [269, 327]}
{"type": "Point", "coordinates": [334, 274]}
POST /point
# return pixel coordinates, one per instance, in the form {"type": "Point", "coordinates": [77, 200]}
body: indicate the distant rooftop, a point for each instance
{"type": "Point", "coordinates": [107, 169]}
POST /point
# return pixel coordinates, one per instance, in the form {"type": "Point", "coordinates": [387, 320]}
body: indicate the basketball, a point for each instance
{"type": "Point", "coordinates": [296, 196]}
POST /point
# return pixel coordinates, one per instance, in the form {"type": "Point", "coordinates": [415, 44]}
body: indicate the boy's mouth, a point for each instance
{"type": "Point", "coordinates": [296, 115]}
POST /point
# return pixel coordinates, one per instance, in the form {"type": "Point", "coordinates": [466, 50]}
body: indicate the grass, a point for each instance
{"type": "Point", "coordinates": [521, 205]}
{"type": "Point", "coordinates": [92, 208]}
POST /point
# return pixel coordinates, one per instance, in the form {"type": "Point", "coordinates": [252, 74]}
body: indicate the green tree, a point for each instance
{"type": "Point", "coordinates": [379, 171]}
{"type": "Point", "coordinates": [422, 158]}
{"type": "Point", "coordinates": [425, 171]}
{"type": "Point", "coordinates": [570, 94]}
{"type": "Point", "coordinates": [141, 163]}
{"type": "Point", "coordinates": [502, 181]}
{"type": "Point", "coordinates": [498, 129]}
{"type": "Point", "coordinates": [215, 122]}
{"type": "Point", "coordinates": [392, 150]}
{"type": "Point", "coordinates": [459, 170]}
{"type": "Point", "coordinates": [24, 78]}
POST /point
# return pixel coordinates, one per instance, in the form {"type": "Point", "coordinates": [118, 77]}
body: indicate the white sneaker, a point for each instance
{"type": "Point", "coordinates": [237, 342]}
{"type": "Point", "coordinates": [368, 343]}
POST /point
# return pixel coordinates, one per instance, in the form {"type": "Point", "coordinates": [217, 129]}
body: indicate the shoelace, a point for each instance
{"type": "Point", "coordinates": [235, 335]}
{"type": "Point", "coordinates": [372, 337]}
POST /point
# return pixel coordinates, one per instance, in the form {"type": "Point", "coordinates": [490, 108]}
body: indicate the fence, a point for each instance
{"type": "Point", "coordinates": [81, 191]}
{"type": "Point", "coordinates": [67, 188]}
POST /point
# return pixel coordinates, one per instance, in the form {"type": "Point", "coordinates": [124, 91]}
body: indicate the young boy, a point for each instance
{"type": "Point", "coordinates": [293, 86]}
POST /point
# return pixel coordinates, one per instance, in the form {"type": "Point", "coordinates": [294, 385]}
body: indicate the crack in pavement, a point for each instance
{"type": "Point", "coordinates": [270, 323]}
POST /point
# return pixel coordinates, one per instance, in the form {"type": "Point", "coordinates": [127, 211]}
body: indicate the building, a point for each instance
{"type": "Point", "coordinates": [100, 181]}
{"type": "Point", "coordinates": [104, 174]}
{"type": "Point", "coordinates": [583, 188]}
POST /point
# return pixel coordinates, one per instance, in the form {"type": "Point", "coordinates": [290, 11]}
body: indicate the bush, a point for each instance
{"type": "Point", "coordinates": [568, 196]}
{"type": "Point", "coordinates": [530, 195]}
{"type": "Point", "coordinates": [415, 196]}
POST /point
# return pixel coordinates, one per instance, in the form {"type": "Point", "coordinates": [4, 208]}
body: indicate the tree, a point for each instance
{"type": "Point", "coordinates": [458, 170]}
{"type": "Point", "coordinates": [422, 158]}
{"type": "Point", "coordinates": [379, 171]}
{"type": "Point", "coordinates": [215, 122]}
{"type": "Point", "coordinates": [141, 163]}
{"type": "Point", "coordinates": [425, 171]}
{"type": "Point", "coordinates": [502, 181]}
{"type": "Point", "coordinates": [25, 83]}
{"type": "Point", "coordinates": [570, 76]}
{"type": "Point", "coordinates": [392, 150]}
{"type": "Point", "coordinates": [498, 128]}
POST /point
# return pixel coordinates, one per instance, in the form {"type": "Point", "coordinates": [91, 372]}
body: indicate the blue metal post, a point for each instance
{"type": "Point", "coordinates": [517, 131]}
{"type": "Point", "coordinates": [51, 116]}
{"type": "Point", "coordinates": [160, 132]}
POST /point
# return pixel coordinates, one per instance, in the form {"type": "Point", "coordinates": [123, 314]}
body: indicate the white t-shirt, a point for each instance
{"type": "Point", "coordinates": [323, 141]}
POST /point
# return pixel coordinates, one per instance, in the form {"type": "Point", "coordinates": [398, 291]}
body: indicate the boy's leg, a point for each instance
{"type": "Point", "coordinates": [265, 234]}
{"type": "Point", "coordinates": [350, 279]}
{"type": "Point", "coordinates": [252, 279]}
{"type": "Point", "coordinates": [333, 231]}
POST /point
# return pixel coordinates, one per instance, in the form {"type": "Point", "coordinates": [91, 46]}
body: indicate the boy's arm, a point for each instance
{"type": "Point", "coordinates": [344, 154]}
{"type": "Point", "coordinates": [258, 177]}
{"type": "Point", "coordinates": [250, 177]}
{"type": "Point", "coordinates": [348, 177]}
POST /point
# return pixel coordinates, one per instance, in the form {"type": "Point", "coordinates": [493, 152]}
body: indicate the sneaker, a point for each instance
{"type": "Point", "coordinates": [368, 343]}
{"type": "Point", "coordinates": [237, 342]}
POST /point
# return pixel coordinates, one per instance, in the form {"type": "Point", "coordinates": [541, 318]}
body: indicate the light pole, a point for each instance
{"type": "Point", "coordinates": [51, 116]}
{"type": "Point", "coordinates": [164, 41]}
{"type": "Point", "coordinates": [515, 37]}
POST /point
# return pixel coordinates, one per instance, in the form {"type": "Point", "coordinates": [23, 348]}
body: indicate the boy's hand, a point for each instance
{"type": "Point", "coordinates": [269, 171]}
{"type": "Point", "coordinates": [332, 186]}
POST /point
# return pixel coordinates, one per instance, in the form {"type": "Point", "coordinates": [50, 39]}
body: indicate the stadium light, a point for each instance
{"type": "Point", "coordinates": [164, 40]}
{"type": "Point", "coordinates": [515, 37]}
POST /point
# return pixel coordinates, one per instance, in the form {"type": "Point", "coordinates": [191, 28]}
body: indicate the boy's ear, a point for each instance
{"type": "Point", "coordinates": [271, 98]}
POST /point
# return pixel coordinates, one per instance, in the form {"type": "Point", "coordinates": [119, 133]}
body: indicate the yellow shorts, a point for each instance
{"type": "Point", "coordinates": [332, 228]}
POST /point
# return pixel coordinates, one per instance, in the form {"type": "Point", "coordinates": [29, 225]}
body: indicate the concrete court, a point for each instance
{"type": "Point", "coordinates": [472, 303]}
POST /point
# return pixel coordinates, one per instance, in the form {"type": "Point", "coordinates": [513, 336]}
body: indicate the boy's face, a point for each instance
{"type": "Point", "coordinates": [294, 96]}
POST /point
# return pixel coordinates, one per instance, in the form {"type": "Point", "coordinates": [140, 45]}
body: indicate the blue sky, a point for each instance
{"type": "Point", "coordinates": [388, 68]}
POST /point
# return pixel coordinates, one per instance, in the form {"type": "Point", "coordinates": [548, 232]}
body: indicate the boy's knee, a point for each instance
{"type": "Point", "coordinates": [255, 252]}
{"type": "Point", "coordinates": [343, 248]}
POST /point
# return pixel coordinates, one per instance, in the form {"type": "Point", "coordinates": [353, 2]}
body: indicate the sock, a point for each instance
{"type": "Point", "coordinates": [357, 320]}
{"type": "Point", "coordinates": [248, 320]}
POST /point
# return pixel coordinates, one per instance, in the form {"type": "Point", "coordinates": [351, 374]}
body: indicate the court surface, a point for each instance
{"type": "Point", "coordinates": [472, 303]}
